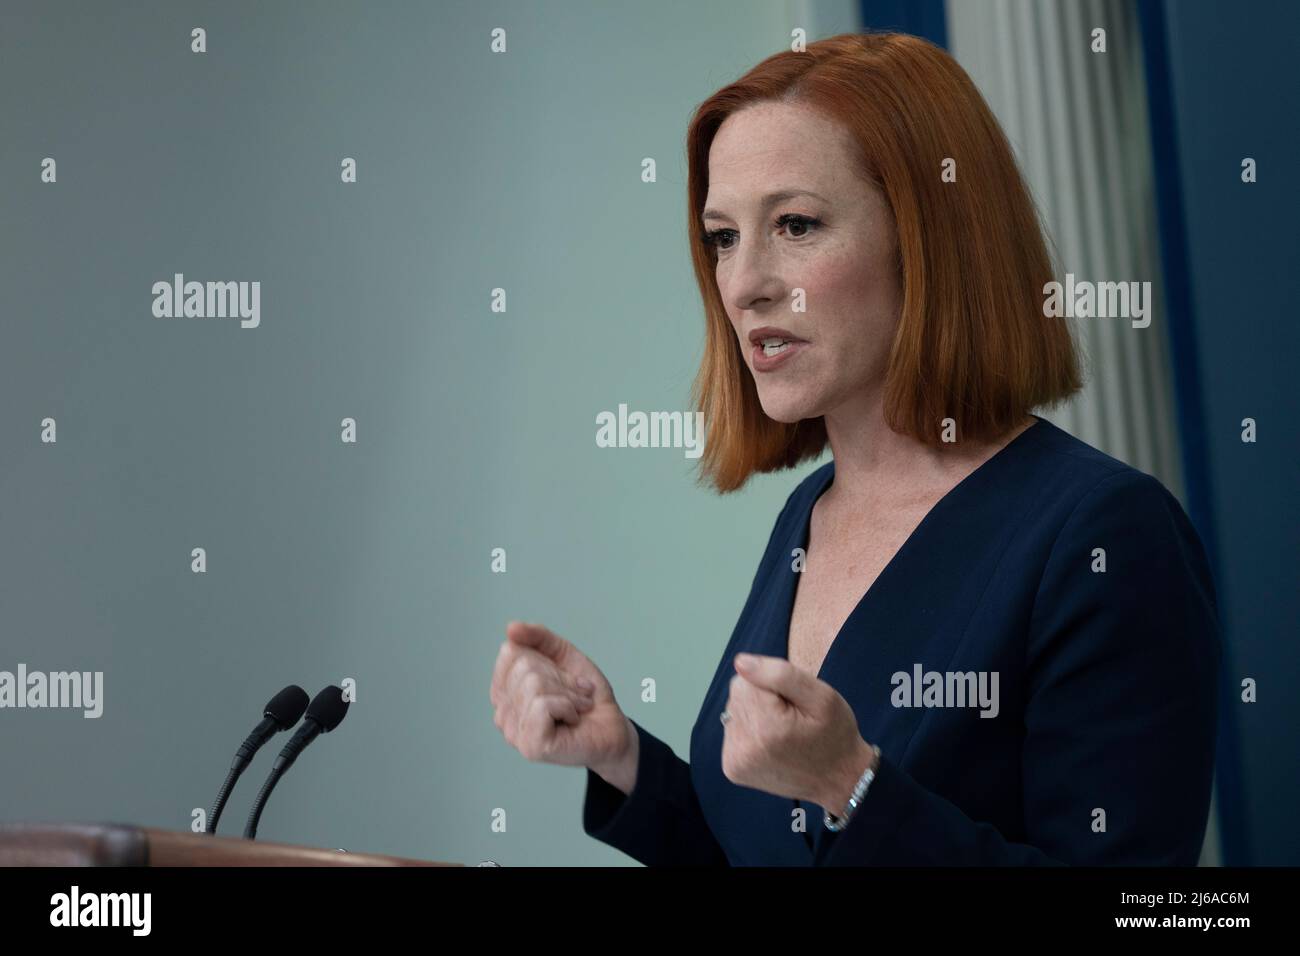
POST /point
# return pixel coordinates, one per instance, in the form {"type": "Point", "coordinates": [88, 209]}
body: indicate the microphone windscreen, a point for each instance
{"type": "Point", "coordinates": [328, 708]}
{"type": "Point", "coordinates": [286, 708]}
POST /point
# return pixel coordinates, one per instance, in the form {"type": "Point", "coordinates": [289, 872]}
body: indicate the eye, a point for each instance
{"type": "Point", "coordinates": [807, 223]}
{"type": "Point", "coordinates": [717, 237]}
{"type": "Point", "coordinates": [714, 237]}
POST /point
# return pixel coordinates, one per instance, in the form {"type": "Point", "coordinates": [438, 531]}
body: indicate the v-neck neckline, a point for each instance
{"type": "Point", "coordinates": [791, 591]}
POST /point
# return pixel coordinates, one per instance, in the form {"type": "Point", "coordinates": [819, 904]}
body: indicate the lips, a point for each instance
{"type": "Point", "coordinates": [772, 333]}
{"type": "Point", "coordinates": [772, 353]}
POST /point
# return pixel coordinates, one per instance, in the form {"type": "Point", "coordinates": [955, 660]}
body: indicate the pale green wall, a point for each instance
{"type": "Point", "coordinates": [476, 429]}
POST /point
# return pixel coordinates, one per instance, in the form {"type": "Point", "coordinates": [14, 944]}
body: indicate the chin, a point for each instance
{"type": "Point", "coordinates": [786, 409]}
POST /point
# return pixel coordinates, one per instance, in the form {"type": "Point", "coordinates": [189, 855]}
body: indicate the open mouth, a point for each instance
{"type": "Point", "coordinates": [774, 346]}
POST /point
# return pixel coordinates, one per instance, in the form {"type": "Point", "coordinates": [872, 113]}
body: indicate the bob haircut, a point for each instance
{"type": "Point", "coordinates": [972, 342]}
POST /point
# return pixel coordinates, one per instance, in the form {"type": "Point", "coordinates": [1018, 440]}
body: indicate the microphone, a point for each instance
{"type": "Point", "coordinates": [282, 712]}
{"type": "Point", "coordinates": [325, 712]}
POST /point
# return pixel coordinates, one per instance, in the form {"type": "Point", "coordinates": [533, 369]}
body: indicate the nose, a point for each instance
{"type": "Point", "coordinates": [749, 278]}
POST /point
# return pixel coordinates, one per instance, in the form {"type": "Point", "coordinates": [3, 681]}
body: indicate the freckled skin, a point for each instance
{"type": "Point", "coordinates": [846, 266]}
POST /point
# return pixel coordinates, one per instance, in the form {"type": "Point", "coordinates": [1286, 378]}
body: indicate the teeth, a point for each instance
{"type": "Point", "coordinates": [772, 341]}
{"type": "Point", "coordinates": [769, 348]}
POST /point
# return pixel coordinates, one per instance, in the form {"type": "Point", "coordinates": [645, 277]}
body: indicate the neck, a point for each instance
{"type": "Point", "coordinates": [874, 462]}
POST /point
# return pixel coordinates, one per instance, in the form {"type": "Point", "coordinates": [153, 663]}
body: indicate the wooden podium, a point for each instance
{"type": "Point", "coordinates": [116, 844]}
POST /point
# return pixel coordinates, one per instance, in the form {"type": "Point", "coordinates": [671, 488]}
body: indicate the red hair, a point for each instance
{"type": "Point", "coordinates": [972, 342]}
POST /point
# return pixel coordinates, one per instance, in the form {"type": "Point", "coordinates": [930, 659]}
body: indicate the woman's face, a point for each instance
{"type": "Point", "coordinates": [833, 237]}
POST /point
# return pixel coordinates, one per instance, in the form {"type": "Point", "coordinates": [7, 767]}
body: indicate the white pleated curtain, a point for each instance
{"type": "Point", "coordinates": [1078, 122]}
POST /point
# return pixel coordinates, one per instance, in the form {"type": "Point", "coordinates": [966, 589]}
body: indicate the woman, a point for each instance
{"type": "Point", "coordinates": [1029, 677]}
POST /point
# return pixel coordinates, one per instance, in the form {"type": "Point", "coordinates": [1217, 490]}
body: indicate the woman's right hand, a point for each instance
{"type": "Point", "coordinates": [554, 705]}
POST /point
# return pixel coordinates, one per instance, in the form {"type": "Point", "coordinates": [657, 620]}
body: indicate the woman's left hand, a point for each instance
{"type": "Point", "coordinates": [791, 734]}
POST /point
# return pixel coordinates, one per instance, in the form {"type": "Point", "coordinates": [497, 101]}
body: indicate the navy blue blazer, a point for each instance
{"type": "Point", "coordinates": [1102, 748]}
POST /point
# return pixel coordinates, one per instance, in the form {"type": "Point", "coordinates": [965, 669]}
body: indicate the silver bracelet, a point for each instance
{"type": "Point", "coordinates": [835, 823]}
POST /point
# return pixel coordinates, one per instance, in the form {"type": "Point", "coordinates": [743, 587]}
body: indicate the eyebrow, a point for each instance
{"type": "Point", "coordinates": [770, 199]}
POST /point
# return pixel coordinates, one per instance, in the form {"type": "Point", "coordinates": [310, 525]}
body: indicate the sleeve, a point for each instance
{"type": "Point", "coordinates": [660, 822]}
{"type": "Point", "coordinates": [1120, 715]}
